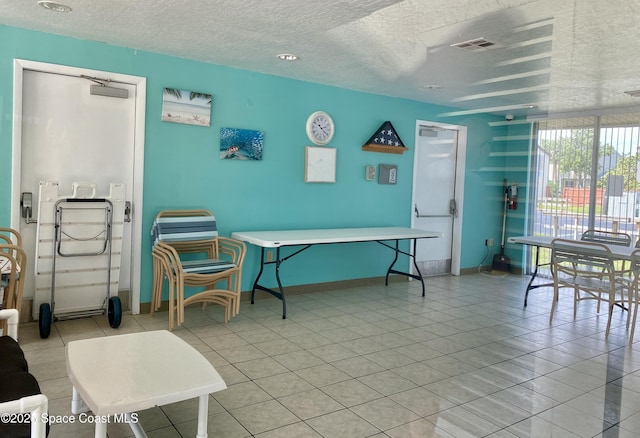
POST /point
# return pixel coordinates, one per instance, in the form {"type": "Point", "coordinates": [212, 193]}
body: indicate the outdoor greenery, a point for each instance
{"type": "Point", "coordinates": [572, 155]}
{"type": "Point", "coordinates": [628, 168]}
{"type": "Point", "coordinates": [565, 208]}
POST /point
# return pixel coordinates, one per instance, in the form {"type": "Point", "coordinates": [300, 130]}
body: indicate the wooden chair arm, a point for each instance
{"type": "Point", "coordinates": [233, 248]}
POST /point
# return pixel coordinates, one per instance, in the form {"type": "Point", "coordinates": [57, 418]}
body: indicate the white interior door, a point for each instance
{"type": "Point", "coordinates": [437, 197]}
{"type": "Point", "coordinates": [69, 135]}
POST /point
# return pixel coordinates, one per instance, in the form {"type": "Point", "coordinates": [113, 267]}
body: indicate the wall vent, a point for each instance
{"type": "Point", "coordinates": [474, 44]}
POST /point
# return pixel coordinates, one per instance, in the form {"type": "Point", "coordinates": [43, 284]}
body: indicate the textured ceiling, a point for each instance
{"type": "Point", "coordinates": [558, 56]}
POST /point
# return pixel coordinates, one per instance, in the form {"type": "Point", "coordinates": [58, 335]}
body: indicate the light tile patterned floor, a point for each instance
{"type": "Point", "coordinates": [468, 360]}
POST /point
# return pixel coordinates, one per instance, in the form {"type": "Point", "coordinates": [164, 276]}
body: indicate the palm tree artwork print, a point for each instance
{"type": "Point", "coordinates": [182, 106]}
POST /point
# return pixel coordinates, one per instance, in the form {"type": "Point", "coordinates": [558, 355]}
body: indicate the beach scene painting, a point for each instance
{"type": "Point", "coordinates": [241, 144]}
{"type": "Point", "coordinates": [188, 107]}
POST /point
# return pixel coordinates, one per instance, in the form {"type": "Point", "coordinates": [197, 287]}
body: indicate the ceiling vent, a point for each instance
{"type": "Point", "coordinates": [475, 44]}
{"type": "Point", "coordinates": [633, 93]}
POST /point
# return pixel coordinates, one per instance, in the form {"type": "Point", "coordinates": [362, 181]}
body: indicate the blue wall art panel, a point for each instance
{"type": "Point", "coordinates": [241, 144]}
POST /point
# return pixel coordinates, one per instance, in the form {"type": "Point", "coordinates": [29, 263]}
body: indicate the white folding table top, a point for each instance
{"type": "Point", "coordinates": [544, 241]}
{"type": "Point", "coordinates": [274, 239]}
{"type": "Point", "coordinates": [136, 371]}
{"type": "Point", "coordinates": [620, 252]}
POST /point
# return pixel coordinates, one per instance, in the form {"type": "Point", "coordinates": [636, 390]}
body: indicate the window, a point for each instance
{"type": "Point", "coordinates": [586, 176]}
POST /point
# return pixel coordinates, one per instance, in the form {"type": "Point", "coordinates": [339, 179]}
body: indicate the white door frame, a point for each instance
{"type": "Point", "coordinates": [19, 65]}
{"type": "Point", "coordinates": [456, 244]}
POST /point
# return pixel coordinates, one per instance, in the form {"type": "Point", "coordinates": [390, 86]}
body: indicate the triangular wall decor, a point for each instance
{"type": "Point", "coordinates": [385, 139]}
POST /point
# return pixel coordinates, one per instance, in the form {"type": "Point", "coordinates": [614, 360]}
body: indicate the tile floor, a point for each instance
{"type": "Point", "coordinates": [466, 361]}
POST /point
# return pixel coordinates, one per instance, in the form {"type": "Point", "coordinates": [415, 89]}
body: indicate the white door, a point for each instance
{"type": "Point", "coordinates": [437, 195]}
{"type": "Point", "coordinates": [69, 135]}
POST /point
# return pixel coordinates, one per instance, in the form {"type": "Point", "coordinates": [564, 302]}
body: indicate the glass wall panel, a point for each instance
{"type": "Point", "coordinates": [587, 176]}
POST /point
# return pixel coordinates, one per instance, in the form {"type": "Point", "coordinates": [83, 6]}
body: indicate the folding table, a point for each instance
{"type": "Point", "coordinates": [308, 238]}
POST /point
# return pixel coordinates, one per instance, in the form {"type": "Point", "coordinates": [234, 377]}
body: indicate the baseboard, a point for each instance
{"type": "Point", "coordinates": [302, 289]}
{"type": "Point", "coordinates": [470, 271]}
{"type": "Point", "coordinates": [26, 311]}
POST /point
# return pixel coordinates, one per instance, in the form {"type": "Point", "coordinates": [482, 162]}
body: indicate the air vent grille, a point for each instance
{"type": "Point", "coordinates": [475, 44]}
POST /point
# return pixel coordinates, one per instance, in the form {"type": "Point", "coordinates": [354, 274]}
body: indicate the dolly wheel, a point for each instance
{"type": "Point", "coordinates": [44, 320]}
{"type": "Point", "coordinates": [115, 312]}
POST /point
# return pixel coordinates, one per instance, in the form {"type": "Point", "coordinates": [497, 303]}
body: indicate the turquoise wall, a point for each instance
{"type": "Point", "coordinates": [183, 168]}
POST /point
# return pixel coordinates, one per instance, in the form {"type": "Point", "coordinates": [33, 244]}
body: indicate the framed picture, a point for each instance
{"type": "Point", "coordinates": [370, 173]}
{"type": "Point", "coordinates": [241, 144]}
{"type": "Point", "coordinates": [188, 107]}
{"type": "Point", "coordinates": [320, 165]}
{"type": "Point", "coordinates": [387, 174]}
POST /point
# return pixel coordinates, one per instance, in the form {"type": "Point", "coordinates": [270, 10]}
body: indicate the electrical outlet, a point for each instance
{"type": "Point", "coordinates": [269, 256]}
{"type": "Point", "coordinates": [490, 242]}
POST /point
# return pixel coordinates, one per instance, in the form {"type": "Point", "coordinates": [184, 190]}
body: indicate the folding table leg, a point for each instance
{"type": "Point", "coordinates": [203, 412]}
{"type": "Point", "coordinates": [397, 250]}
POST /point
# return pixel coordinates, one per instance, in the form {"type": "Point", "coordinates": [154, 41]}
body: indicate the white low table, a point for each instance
{"type": "Point", "coordinates": [306, 238]}
{"type": "Point", "coordinates": [119, 375]}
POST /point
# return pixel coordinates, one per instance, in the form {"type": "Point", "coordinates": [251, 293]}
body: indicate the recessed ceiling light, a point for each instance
{"type": "Point", "coordinates": [55, 7]}
{"type": "Point", "coordinates": [287, 57]}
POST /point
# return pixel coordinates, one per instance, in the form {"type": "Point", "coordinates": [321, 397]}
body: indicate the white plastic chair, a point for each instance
{"type": "Point", "coordinates": [36, 405]}
{"type": "Point", "coordinates": [588, 269]}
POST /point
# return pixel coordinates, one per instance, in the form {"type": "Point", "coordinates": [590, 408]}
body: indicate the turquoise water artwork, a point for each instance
{"type": "Point", "coordinates": [188, 107]}
{"type": "Point", "coordinates": [241, 144]}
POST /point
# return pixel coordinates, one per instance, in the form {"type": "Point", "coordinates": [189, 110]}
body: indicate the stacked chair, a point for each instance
{"type": "Point", "coordinates": [10, 236]}
{"type": "Point", "coordinates": [188, 252]}
{"type": "Point", "coordinates": [13, 261]}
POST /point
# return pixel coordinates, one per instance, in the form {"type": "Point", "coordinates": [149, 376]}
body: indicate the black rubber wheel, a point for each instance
{"type": "Point", "coordinates": [115, 312]}
{"type": "Point", "coordinates": [44, 320]}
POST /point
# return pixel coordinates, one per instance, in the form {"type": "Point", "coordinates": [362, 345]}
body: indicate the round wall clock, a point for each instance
{"type": "Point", "coordinates": [320, 128]}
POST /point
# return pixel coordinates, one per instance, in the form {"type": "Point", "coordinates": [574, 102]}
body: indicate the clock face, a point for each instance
{"type": "Point", "coordinates": [320, 128]}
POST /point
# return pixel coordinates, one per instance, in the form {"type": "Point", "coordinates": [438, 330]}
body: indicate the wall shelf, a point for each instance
{"type": "Point", "coordinates": [386, 140]}
{"type": "Point", "coordinates": [385, 149]}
